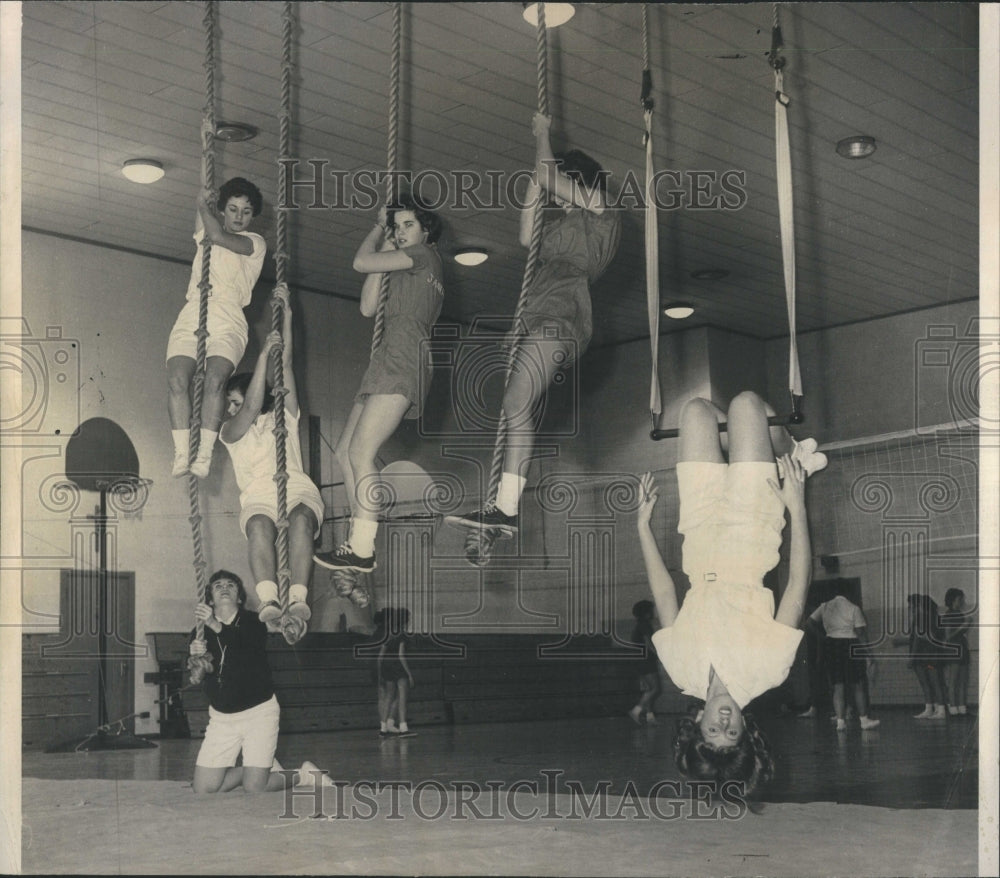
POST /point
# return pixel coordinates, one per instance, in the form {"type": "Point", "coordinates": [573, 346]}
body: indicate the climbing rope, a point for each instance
{"type": "Point", "coordinates": [651, 229]}
{"type": "Point", "coordinates": [787, 225]}
{"type": "Point", "coordinates": [479, 543]}
{"type": "Point", "coordinates": [786, 217]}
{"type": "Point", "coordinates": [393, 142]}
{"type": "Point", "coordinates": [280, 272]}
{"type": "Point", "coordinates": [202, 664]}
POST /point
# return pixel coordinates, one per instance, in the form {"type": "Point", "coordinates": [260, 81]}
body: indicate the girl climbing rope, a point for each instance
{"type": "Point", "coordinates": [402, 245]}
{"type": "Point", "coordinates": [249, 437]}
{"type": "Point", "coordinates": [554, 324]}
{"type": "Point", "coordinates": [236, 261]}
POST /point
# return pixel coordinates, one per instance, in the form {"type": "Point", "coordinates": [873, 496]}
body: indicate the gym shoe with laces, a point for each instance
{"type": "Point", "coordinates": [201, 466]}
{"type": "Point", "coordinates": [180, 466]}
{"type": "Point", "coordinates": [805, 453]}
{"type": "Point", "coordinates": [345, 559]}
{"type": "Point", "coordinates": [300, 609]}
{"type": "Point", "coordinates": [490, 517]}
{"type": "Point", "coordinates": [269, 612]}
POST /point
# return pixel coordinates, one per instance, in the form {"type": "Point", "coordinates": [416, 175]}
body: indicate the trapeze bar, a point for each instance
{"type": "Point", "coordinates": [773, 421]}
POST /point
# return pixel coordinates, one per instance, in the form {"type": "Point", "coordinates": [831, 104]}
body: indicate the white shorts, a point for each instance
{"type": "Point", "coordinates": [261, 498]}
{"type": "Point", "coordinates": [254, 731]}
{"type": "Point", "coordinates": [227, 333]}
{"type": "Point", "coordinates": [731, 520]}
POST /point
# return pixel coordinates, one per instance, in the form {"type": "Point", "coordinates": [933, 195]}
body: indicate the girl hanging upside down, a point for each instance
{"type": "Point", "coordinates": [726, 645]}
{"type": "Point", "coordinates": [557, 326]}
{"type": "Point", "coordinates": [248, 435]}
{"type": "Point", "coordinates": [235, 264]}
{"type": "Point", "coordinates": [395, 386]}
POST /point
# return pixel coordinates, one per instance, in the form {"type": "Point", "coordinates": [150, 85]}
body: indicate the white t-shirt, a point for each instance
{"type": "Point", "coordinates": [731, 628]}
{"type": "Point", "coordinates": [232, 275]}
{"type": "Point", "coordinates": [253, 453]}
{"type": "Point", "coordinates": [840, 617]}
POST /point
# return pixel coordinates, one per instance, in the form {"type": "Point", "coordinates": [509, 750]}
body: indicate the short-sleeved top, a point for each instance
{"type": "Point", "coordinates": [241, 677]}
{"type": "Point", "coordinates": [731, 628]}
{"type": "Point", "coordinates": [232, 275]}
{"type": "Point", "coordinates": [576, 249]}
{"type": "Point", "coordinates": [840, 617]}
{"type": "Point", "coordinates": [401, 365]}
{"type": "Point", "coordinates": [253, 453]}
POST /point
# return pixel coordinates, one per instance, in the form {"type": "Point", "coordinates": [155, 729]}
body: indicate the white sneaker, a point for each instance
{"type": "Point", "coordinates": [926, 713]}
{"type": "Point", "coordinates": [867, 723]}
{"type": "Point", "coordinates": [938, 712]}
{"type": "Point", "coordinates": [300, 609]}
{"type": "Point", "coordinates": [841, 725]}
{"type": "Point", "coordinates": [201, 466]}
{"type": "Point", "coordinates": [805, 453]}
{"type": "Point", "coordinates": [180, 466]}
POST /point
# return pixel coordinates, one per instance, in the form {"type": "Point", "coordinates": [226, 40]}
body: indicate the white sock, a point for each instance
{"type": "Point", "coordinates": [509, 493]}
{"type": "Point", "coordinates": [390, 724]}
{"type": "Point", "coordinates": [363, 537]}
{"type": "Point", "coordinates": [297, 593]}
{"type": "Point", "coordinates": [182, 441]}
{"type": "Point", "coordinates": [403, 727]}
{"type": "Point", "coordinates": [207, 443]}
{"type": "Point", "coordinates": [267, 591]}
{"type": "Point", "coordinates": [384, 727]}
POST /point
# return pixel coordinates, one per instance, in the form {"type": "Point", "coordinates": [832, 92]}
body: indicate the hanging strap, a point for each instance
{"type": "Point", "coordinates": [785, 211]}
{"type": "Point", "coordinates": [393, 140]}
{"type": "Point", "coordinates": [530, 266]}
{"type": "Point", "coordinates": [280, 270]}
{"type": "Point", "coordinates": [200, 665]}
{"type": "Point", "coordinates": [652, 231]}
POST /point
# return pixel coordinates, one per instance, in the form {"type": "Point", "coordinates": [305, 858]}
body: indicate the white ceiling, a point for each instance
{"type": "Point", "coordinates": [104, 82]}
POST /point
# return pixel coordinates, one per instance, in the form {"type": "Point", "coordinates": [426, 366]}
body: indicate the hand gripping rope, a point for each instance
{"type": "Point", "coordinates": [199, 665]}
{"type": "Point", "coordinates": [787, 224]}
{"type": "Point", "coordinates": [479, 543]}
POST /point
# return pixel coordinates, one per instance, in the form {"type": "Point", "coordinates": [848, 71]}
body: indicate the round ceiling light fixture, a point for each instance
{"type": "Point", "coordinates": [143, 170]}
{"type": "Point", "coordinates": [234, 132]}
{"type": "Point", "coordinates": [860, 146]}
{"type": "Point", "coordinates": [471, 256]}
{"type": "Point", "coordinates": [555, 13]}
{"type": "Point", "coordinates": [679, 310]}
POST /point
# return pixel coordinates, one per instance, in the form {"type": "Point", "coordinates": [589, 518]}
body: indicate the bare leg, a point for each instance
{"type": "Point", "coordinates": [650, 695]}
{"type": "Point", "coordinates": [381, 416]}
{"type": "Point", "coordinates": [301, 527]}
{"type": "Point", "coordinates": [750, 437]}
{"type": "Point", "coordinates": [343, 444]}
{"type": "Point", "coordinates": [180, 371]}
{"type": "Point", "coordinates": [839, 701]}
{"type": "Point", "coordinates": [403, 691]}
{"type": "Point", "coordinates": [860, 699]}
{"type": "Point", "coordinates": [225, 780]}
{"type": "Point", "coordinates": [261, 533]}
{"type": "Point", "coordinates": [535, 365]}
{"type": "Point", "coordinates": [699, 432]}
{"type": "Point", "coordinates": [218, 371]}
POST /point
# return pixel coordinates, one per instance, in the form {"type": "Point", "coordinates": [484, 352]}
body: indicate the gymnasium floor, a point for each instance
{"type": "Point", "coordinates": [899, 800]}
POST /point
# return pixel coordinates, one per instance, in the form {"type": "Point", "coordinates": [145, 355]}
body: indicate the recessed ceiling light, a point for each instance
{"type": "Point", "coordinates": [471, 256]}
{"type": "Point", "coordinates": [678, 310]}
{"type": "Point", "coordinates": [858, 147]}
{"type": "Point", "coordinates": [555, 13]}
{"type": "Point", "coordinates": [234, 132]}
{"type": "Point", "coordinates": [142, 170]}
{"type": "Point", "coordinates": [710, 274]}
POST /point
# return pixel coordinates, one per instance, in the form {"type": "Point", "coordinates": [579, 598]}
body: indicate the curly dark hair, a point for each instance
{"type": "Point", "coordinates": [241, 592]}
{"type": "Point", "coordinates": [241, 382]}
{"type": "Point", "coordinates": [581, 168]}
{"type": "Point", "coordinates": [749, 761]}
{"type": "Point", "coordinates": [240, 186]}
{"type": "Point", "coordinates": [642, 608]}
{"type": "Point", "coordinates": [429, 221]}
